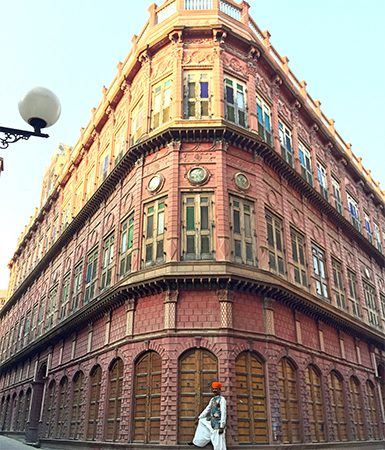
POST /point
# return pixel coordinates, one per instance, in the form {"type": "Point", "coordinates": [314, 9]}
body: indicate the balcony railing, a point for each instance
{"type": "Point", "coordinates": [230, 10]}
{"type": "Point", "coordinates": [198, 4]}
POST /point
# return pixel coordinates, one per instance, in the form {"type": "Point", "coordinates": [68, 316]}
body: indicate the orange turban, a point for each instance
{"type": "Point", "coordinates": [216, 385]}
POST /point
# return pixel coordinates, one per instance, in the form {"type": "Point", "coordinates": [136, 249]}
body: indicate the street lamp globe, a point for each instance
{"type": "Point", "coordinates": [40, 108]}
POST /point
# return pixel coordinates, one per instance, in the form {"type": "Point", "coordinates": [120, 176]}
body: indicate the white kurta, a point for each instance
{"type": "Point", "coordinates": [205, 433]}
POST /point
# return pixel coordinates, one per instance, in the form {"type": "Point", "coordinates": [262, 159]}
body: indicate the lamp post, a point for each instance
{"type": "Point", "coordinates": [40, 108]}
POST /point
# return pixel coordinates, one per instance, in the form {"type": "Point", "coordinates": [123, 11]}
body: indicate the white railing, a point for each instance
{"type": "Point", "coordinates": [256, 30]}
{"type": "Point", "coordinates": [198, 4]}
{"type": "Point", "coordinates": [166, 12]}
{"type": "Point", "coordinates": [230, 10]}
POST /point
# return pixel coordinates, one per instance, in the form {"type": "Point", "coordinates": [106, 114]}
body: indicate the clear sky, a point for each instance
{"type": "Point", "coordinates": [72, 47]}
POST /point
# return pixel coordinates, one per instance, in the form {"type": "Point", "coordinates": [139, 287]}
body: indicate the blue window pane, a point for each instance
{"type": "Point", "coordinates": [229, 94]}
{"type": "Point", "coordinates": [240, 100]}
{"type": "Point", "coordinates": [204, 89]}
{"type": "Point", "coordinates": [302, 158]}
{"type": "Point", "coordinates": [267, 122]}
{"type": "Point", "coordinates": [259, 114]}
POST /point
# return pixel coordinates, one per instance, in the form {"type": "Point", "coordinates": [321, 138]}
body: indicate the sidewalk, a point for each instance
{"type": "Point", "coordinates": [7, 443]}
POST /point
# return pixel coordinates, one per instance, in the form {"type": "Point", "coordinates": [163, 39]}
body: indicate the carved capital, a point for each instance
{"type": "Point", "coordinates": [225, 295]}
{"type": "Point", "coordinates": [144, 58]}
{"type": "Point", "coordinates": [219, 36]}
{"type": "Point", "coordinates": [171, 296]}
{"type": "Point", "coordinates": [276, 85]}
{"type": "Point", "coordinates": [130, 304]}
{"type": "Point", "coordinates": [176, 37]}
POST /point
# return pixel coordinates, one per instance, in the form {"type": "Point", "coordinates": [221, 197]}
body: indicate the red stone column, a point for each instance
{"type": "Point", "coordinates": [221, 212]}
{"type": "Point", "coordinates": [172, 247]}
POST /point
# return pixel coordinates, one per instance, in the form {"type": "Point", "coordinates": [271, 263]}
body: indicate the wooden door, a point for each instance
{"type": "Point", "coordinates": [77, 403]}
{"type": "Point", "coordinates": [93, 411]}
{"type": "Point", "coordinates": [314, 402]}
{"type": "Point", "coordinates": [49, 415]}
{"type": "Point", "coordinates": [288, 402]}
{"type": "Point", "coordinates": [337, 406]}
{"type": "Point", "coordinates": [198, 368]}
{"type": "Point", "coordinates": [251, 399]}
{"type": "Point", "coordinates": [358, 417]}
{"type": "Point", "coordinates": [148, 371]}
{"type": "Point", "coordinates": [62, 421]}
{"type": "Point", "coordinates": [371, 414]}
{"type": "Point", "coordinates": [114, 400]}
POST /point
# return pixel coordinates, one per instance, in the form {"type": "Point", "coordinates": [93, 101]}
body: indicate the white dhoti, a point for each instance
{"type": "Point", "coordinates": [205, 433]}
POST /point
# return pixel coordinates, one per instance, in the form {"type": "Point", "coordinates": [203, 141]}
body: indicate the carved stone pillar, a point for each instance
{"type": "Point", "coordinates": [294, 134]}
{"type": "Point", "coordinates": [321, 340]}
{"type": "Point", "coordinates": [225, 298]}
{"type": "Point", "coordinates": [89, 338]}
{"type": "Point", "coordinates": [275, 91]}
{"type": "Point", "coordinates": [107, 329]}
{"type": "Point", "coordinates": [298, 329]}
{"type": "Point", "coordinates": [268, 309]}
{"type": "Point", "coordinates": [130, 311]}
{"type": "Point", "coordinates": [170, 301]}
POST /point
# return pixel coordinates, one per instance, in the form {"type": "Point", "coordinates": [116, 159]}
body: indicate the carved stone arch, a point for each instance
{"type": "Point", "coordinates": [149, 346]}
{"type": "Point", "coordinates": [198, 343]}
{"type": "Point", "coordinates": [289, 358]}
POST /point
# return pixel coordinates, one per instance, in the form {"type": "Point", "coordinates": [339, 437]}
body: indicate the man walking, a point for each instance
{"type": "Point", "coordinates": [212, 421]}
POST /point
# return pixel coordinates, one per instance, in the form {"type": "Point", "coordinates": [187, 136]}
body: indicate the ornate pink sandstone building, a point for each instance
{"type": "Point", "coordinates": [209, 223]}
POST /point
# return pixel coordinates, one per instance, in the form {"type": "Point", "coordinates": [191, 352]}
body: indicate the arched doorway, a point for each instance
{"type": "Point", "coordinates": [114, 405]}
{"type": "Point", "coordinates": [251, 399]}
{"type": "Point", "coordinates": [198, 368]}
{"type": "Point", "coordinates": [356, 405]}
{"type": "Point", "coordinates": [288, 402]}
{"type": "Point", "coordinates": [337, 404]}
{"type": "Point", "coordinates": [372, 415]}
{"type": "Point", "coordinates": [93, 412]}
{"type": "Point", "coordinates": [147, 391]}
{"type": "Point", "coordinates": [77, 405]}
{"type": "Point", "coordinates": [315, 405]}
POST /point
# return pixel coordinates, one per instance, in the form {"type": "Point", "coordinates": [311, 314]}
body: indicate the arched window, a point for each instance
{"type": "Point", "coordinates": [356, 404]}
{"type": "Point", "coordinates": [288, 402]}
{"type": "Point", "coordinates": [77, 403]}
{"type": "Point", "coordinates": [251, 399]}
{"type": "Point", "coordinates": [93, 412]}
{"type": "Point", "coordinates": [27, 404]}
{"type": "Point", "coordinates": [148, 372]}
{"type": "Point", "coordinates": [371, 413]}
{"type": "Point", "coordinates": [62, 419]}
{"type": "Point", "coordinates": [198, 368]}
{"type": "Point", "coordinates": [314, 403]}
{"type": "Point", "coordinates": [115, 384]}
{"type": "Point", "coordinates": [337, 406]}
{"type": "Point", "coordinates": [49, 415]}
{"type": "Point", "coordinates": [20, 412]}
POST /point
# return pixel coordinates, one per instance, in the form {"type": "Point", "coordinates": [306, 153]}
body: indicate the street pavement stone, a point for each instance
{"type": "Point", "coordinates": [7, 443]}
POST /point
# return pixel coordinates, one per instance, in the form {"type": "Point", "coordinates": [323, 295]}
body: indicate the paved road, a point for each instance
{"type": "Point", "coordinates": [11, 444]}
